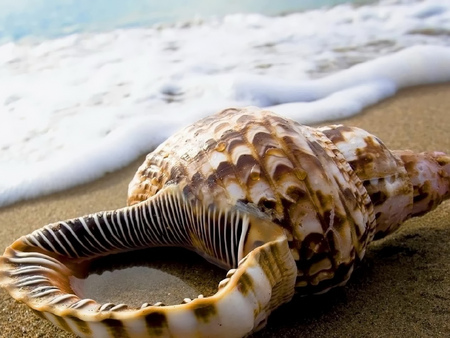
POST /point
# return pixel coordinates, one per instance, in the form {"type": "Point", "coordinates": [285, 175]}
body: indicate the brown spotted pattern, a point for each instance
{"type": "Point", "coordinates": [383, 175]}
{"type": "Point", "coordinates": [400, 183]}
{"type": "Point", "coordinates": [429, 175]}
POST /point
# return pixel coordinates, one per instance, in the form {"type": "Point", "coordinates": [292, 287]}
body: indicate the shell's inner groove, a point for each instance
{"type": "Point", "coordinates": [172, 275]}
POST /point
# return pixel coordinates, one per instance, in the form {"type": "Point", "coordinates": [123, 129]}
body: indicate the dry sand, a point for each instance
{"type": "Point", "coordinates": [401, 289]}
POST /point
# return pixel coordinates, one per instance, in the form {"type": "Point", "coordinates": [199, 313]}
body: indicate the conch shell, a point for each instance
{"type": "Point", "coordinates": [284, 207]}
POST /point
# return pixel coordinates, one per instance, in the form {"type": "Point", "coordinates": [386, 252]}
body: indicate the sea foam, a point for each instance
{"type": "Point", "coordinates": [76, 107]}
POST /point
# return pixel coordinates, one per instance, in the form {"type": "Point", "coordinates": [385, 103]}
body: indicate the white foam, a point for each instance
{"type": "Point", "coordinates": [74, 108]}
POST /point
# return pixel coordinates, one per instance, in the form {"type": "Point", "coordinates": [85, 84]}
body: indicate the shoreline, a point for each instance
{"type": "Point", "coordinates": [401, 288]}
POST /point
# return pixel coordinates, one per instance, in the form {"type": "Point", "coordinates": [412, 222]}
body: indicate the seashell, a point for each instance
{"type": "Point", "coordinates": [284, 207]}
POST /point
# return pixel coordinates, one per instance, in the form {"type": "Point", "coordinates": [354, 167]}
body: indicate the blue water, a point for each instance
{"type": "Point", "coordinates": [54, 18]}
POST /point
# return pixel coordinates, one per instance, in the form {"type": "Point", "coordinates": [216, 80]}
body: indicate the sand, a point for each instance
{"type": "Point", "coordinates": [401, 289]}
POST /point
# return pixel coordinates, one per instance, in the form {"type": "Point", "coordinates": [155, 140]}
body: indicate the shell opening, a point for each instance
{"type": "Point", "coordinates": [37, 269]}
{"type": "Point", "coordinates": [263, 280]}
{"type": "Point", "coordinates": [155, 276]}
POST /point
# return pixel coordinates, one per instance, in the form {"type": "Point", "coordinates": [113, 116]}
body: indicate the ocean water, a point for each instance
{"type": "Point", "coordinates": [75, 105]}
{"type": "Point", "coordinates": [55, 18]}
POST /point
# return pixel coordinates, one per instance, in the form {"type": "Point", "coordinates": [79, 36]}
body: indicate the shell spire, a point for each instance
{"type": "Point", "coordinates": [283, 207]}
{"type": "Point", "coordinates": [401, 183]}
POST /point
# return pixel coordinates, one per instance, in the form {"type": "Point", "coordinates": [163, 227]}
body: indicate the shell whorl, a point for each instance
{"type": "Point", "coordinates": [292, 173]}
{"type": "Point", "coordinates": [279, 204]}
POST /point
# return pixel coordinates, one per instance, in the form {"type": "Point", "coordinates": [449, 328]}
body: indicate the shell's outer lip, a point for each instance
{"type": "Point", "coordinates": [35, 270]}
{"type": "Point", "coordinates": [264, 279]}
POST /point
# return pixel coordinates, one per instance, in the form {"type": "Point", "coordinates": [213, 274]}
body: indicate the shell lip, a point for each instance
{"type": "Point", "coordinates": [263, 280]}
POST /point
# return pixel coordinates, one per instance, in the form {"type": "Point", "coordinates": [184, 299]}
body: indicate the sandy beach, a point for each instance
{"type": "Point", "coordinates": [401, 289]}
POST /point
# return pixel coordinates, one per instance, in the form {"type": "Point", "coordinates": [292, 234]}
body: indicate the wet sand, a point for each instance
{"type": "Point", "coordinates": [401, 289]}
